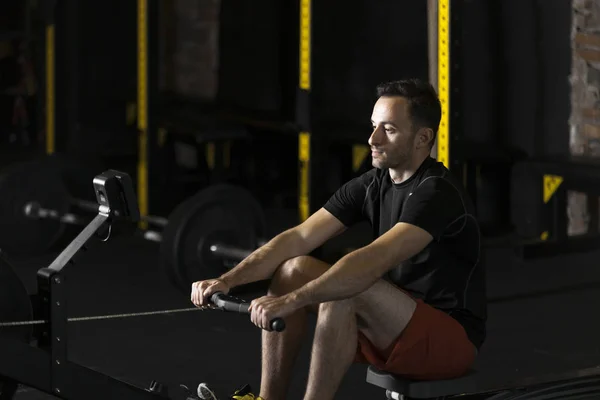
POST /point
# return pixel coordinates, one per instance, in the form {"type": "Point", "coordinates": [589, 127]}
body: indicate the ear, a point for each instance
{"type": "Point", "coordinates": [424, 137]}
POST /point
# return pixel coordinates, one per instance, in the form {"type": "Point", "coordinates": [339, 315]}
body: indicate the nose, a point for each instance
{"type": "Point", "coordinates": [376, 137]}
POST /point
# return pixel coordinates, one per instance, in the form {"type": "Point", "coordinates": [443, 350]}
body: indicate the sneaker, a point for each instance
{"type": "Point", "coordinates": [245, 393]}
{"type": "Point", "coordinates": [189, 394]}
{"type": "Point", "coordinates": [204, 392]}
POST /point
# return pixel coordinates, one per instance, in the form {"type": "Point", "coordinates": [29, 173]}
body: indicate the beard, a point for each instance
{"type": "Point", "coordinates": [395, 158]}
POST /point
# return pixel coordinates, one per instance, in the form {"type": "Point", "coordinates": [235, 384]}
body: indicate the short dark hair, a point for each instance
{"type": "Point", "coordinates": [424, 106]}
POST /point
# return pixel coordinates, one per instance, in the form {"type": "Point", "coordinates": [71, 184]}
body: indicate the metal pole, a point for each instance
{"type": "Point", "coordinates": [432, 35]}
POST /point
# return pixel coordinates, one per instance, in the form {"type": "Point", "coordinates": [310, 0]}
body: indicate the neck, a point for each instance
{"type": "Point", "coordinates": [403, 172]}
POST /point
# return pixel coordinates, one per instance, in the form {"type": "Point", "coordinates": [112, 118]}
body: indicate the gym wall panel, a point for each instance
{"type": "Point", "coordinates": [359, 44]}
{"type": "Point", "coordinates": [189, 48]}
{"type": "Point", "coordinates": [555, 51]}
{"type": "Point", "coordinates": [478, 66]}
{"type": "Point", "coordinates": [535, 55]}
{"type": "Point", "coordinates": [252, 37]}
{"type": "Point", "coordinates": [105, 69]}
{"type": "Point", "coordinates": [520, 74]}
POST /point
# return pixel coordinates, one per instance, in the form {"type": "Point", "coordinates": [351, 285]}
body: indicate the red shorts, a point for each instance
{"type": "Point", "coordinates": [432, 346]}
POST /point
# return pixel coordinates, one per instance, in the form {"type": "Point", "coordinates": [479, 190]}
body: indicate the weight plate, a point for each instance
{"type": "Point", "coordinates": [20, 184]}
{"type": "Point", "coordinates": [221, 213]}
{"type": "Point", "coordinates": [15, 304]}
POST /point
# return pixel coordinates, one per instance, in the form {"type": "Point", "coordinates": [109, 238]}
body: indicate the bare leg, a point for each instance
{"type": "Point", "coordinates": [333, 350]}
{"type": "Point", "coordinates": [381, 313]}
{"type": "Point", "coordinates": [280, 349]}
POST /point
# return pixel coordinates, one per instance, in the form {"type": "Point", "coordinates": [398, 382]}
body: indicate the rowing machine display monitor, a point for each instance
{"type": "Point", "coordinates": [114, 191]}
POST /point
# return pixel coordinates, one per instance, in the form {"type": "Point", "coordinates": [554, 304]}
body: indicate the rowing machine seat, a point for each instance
{"type": "Point", "coordinates": [401, 388]}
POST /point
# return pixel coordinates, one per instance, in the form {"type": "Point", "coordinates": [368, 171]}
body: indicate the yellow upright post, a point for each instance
{"type": "Point", "coordinates": [142, 108]}
{"type": "Point", "coordinates": [443, 73]}
{"type": "Point", "coordinates": [304, 139]}
{"type": "Point", "coordinates": [50, 106]}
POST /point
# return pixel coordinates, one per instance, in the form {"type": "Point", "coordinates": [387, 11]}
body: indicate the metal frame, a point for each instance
{"type": "Point", "coordinates": [303, 115]}
{"type": "Point", "coordinates": [445, 50]}
{"type": "Point", "coordinates": [557, 178]}
{"type": "Point", "coordinates": [147, 94]}
{"type": "Point", "coordinates": [47, 367]}
{"type": "Point", "coordinates": [50, 56]}
{"type": "Point", "coordinates": [444, 79]}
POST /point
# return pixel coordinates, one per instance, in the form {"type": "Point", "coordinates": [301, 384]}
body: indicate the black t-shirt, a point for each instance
{"type": "Point", "coordinates": [449, 273]}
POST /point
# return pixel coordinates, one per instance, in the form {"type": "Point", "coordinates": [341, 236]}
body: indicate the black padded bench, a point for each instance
{"type": "Point", "coordinates": [483, 383]}
{"type": "Point", "coordinates": [401, 388]}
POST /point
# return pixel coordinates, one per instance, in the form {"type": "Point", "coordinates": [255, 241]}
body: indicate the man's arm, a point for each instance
{"type": "Point", "coordinates": [360, 269]}
{"type": "Point", "coordinates": [343, 209]}
{"type": "Point", "coordinates": [297, 241]}
{"type": "Point", "coordinates": [430, 210]}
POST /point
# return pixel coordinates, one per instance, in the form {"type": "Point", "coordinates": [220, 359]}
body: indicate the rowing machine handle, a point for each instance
{"type": "Point", "coordinates": [229, 303]}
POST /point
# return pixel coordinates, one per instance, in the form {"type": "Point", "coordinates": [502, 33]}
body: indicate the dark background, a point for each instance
{"type": "Point", "coordinates": [511, 101]}
{"type": "Point", "coordinates": [510, 93]}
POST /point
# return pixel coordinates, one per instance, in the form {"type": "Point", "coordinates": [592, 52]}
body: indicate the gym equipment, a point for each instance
{"type": "Point", "coordinates": [209, 233]}
{"type": "Point", "coordinates": [15, 303]}
{"type": "Point", "coordinates": [203, 237]}
{"type": "Point", "coordinates": [46, 366]}
{"type": "Point", "coordinates": [538, 207]}
{"type": "Point", "coordinates": [36, 205]}
{"type": "Point", "coordinates": [20, 185]}
{"type": "Point", "coordinates": [579, 384]}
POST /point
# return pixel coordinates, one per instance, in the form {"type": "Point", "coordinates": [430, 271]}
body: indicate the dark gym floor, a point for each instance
{"type": "Point", "coordinates": [548, 333]}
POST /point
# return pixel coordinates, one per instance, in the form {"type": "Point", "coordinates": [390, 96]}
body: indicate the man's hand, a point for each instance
{"type": "Point", "coordinates": [264, 309]}
{"type": "Point", "coordinates": [202, 290]}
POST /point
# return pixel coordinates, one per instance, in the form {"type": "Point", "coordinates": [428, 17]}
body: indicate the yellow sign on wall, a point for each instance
{"type": "Point", "coordinates": [551, 184]}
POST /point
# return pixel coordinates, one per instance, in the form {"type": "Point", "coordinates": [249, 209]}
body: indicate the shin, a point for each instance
{"type": "Point", "coordinates": [280, 349]}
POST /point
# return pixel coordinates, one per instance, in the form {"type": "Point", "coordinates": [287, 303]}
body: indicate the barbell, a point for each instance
{"type": "Point", "coordinates": [203, 237]}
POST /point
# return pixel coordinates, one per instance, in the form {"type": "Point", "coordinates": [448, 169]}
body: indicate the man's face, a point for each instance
{"type": "Point", "coordinates": [392, 141]}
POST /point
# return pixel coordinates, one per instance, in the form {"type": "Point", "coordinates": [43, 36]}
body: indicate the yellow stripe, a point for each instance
{"type": "Point", "coordinates": [443, 141]}
{"type": "Point", "coordinates": [210, 155]}
{"type": "Point", "coordinates": [359, 153]}
{"type": "Point", "coordinates": [142, 108]}
{"type": "Point", "coordinates": [50, 137]}
{"type": "Point", "coordinates": [305, 50]}
{"type": "Point", "coordinates": [304, 158]}
{"type": "Point", "coordinates": [130, 111]}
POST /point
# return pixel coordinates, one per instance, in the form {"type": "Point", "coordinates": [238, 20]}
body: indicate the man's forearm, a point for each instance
{"type": "Point", "coordinates": [347, 278]}
{"type": "Point", "coordinates": [262, 263]}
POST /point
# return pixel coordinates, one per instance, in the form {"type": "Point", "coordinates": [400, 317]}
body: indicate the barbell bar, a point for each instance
{"type": "Point", "coordinates": [34, 210]}
{"type": "Point", "coordinates": [218, 249]}
{"type": "Point", "coordinates": [36, 205]}
{"type": "Point", "coordinates": [206, 232]}
{"type": "Point", "coordinates": [93, 207]}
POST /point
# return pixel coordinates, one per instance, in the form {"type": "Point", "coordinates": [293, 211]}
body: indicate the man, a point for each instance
{"type": "Point", "coordinates": [412, 302]}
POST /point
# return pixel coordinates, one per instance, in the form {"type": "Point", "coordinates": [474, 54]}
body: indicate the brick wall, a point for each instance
{"type": "Point", "coordinates": [585, 99]}
{"type": "Point", "coordinates": [190, 47]}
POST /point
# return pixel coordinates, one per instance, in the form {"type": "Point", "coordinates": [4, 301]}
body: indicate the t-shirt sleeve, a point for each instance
{"type": "Point", "coordinates": [346, 204]}
{"type": "Point", "coordinates": [434, 206]}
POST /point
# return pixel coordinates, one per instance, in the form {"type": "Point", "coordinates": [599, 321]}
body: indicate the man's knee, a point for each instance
{"type": "Point", "coordinates": [296, 272]}
{"type": "Point", "coordinates": [337, 307]}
